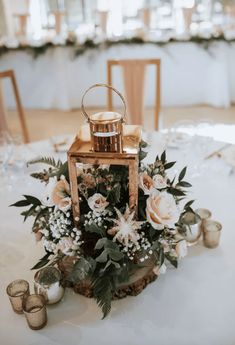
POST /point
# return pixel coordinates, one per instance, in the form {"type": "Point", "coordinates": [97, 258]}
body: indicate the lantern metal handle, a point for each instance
{"type": "Point", "coordinates": [108, 87]}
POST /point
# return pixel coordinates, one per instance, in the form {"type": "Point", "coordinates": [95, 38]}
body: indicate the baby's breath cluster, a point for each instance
{"type": "Point", "coordinates": [141, 248]}
{"type": "Point", "coordinates": [97, 218]}
{"type": "Point", "coordinates": [60, 235]}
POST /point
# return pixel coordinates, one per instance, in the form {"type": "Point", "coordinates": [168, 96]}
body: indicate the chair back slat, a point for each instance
{"type": "Point", "coordinates": [10, 74]}
{"type": "Point", "coordinates": [133, 71]}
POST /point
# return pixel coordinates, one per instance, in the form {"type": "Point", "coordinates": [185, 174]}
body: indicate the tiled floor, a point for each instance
{"type": "Point", "coordinates": [46, 123]}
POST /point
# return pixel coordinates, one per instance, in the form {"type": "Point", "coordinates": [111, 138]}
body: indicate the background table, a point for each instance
{"type": "Point", "coordinates": [56, 79]}
{"type": "Point", "coordinates": [194, 304]}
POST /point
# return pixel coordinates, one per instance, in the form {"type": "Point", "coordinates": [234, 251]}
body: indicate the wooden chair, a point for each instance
{"type": "Point", "coordinates": [10, 74]}
{"type": "Point", "coordinates": [155, 62]}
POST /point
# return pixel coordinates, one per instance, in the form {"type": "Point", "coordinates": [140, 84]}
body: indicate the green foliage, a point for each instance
{"type": "Point", "coordinates": [172, 259]}
{"type": "Point", "coordinates": [46, 160]}
{"type": "Point", "coordinates": [28, 213]}
{"type": "Point", "coordinates": [163, 157]}
{"type": "Point", "coordinates": [175, 191]}
{"type": "Point", "coordinates": [103, 286]}
{"type": "Point", "coordinates": [94, 228]}
{"type": "Point", "coordinates": [29, 200]}
{"type": "Point", "coordinates": [110, 251]}
{"type": "Point", "coordinates": [188, 208]}
{"type": "Point", "coordinates": [90, 45]}
{"type": "Point", "coordinates": [169, 165]}
{"type": "Point", "coordinates": [142, 153]}
{"type": "Point", "coordinates": [82, 269]}
{"type": "Point", "coordinates": [182, 174]}
{"type": "Point", "coordinates": [42, 262]}
{"type": "Point", "coordinates": [143, 144]}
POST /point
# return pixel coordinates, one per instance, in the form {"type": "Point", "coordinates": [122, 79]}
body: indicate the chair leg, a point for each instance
{"type": "Point", "coordinates": [20, 110]}
{"type": "Point", "coordinates": [109, 80]}
{"type": "Point", "coordinates": [158, 96]}
{"type": "Point", "coordinates": [3, 122]}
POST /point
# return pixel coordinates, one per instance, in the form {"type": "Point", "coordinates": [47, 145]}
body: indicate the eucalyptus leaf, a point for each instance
{"type": "Point", "coordinates": [172, 259]}
{"type": "Point", "coordinates": [175, 191]}
{"type": "Point", "coordinates": [103, 257]}
{"type": "Point", "coordinates": [32, 200]}
{"type": "Point", "coordinates": [142, 155]}
{"type": "Point", "coordinates": [143, 144]}
{"type": "Point", "coordinates": [82, 269]}
{"type": "Point", "coordinates": [184, 184]}
{"type": "Point", "coordinates": [101, 243]}
{"type": "Point", "coordinates": [169, 165]}
{"type": "Point", "coordinates": [115, 255]}
{"type": "Point", "coordinates": [182, 174]}
{"type": "Point", "coordinates": [21, 203]}
{"type": "Point", "coordinates": [189, 203]}
{"type": "Point", "coordinates": [42, 262]}
{"type": "Point", "coordinates": [163, 157]}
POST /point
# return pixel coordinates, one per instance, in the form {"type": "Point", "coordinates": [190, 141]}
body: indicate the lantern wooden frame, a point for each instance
{"type": "Point", "coordinates": [80, 152]}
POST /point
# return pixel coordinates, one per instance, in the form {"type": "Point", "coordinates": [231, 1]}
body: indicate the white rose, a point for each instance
{"type": "Point", "coordinates": [181, 249]}
{"type": "Point", "coordinates": [159, 181]}
{"type": "Point", "coordinates": [97, 203]}
{"type": "Point", "coordinates": [161, 210]}
{"type": "Point", "coordinates": [65, 204]}
{"type": "Point", "coordinates": [146, 183]}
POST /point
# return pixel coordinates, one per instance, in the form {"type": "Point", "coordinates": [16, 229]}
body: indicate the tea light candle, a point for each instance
{"type": "Point", "coordinates": [211, 233]}
{"type": "Point", "coordinates": [192, 226]}
{"type": "Point", "coordinates": [17, 291]}
{"type": "Point", "coordinates": [47, 282]}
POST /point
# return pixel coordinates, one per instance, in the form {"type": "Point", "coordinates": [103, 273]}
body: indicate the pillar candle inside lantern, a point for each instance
{"type": "Point", "coordinates": [106, 132]}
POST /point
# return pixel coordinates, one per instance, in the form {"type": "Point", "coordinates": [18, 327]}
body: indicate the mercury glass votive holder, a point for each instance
{"type": "Point", "coordinates": [204, 213]}
{"type": "Point", "coordinates": [211, 233]}
{"type": "Point", "coordinates": [47, 282]}
{"type": "Point", "coordinates": [17, 291]}
{"type": "Point", "coordinates": [192, 227]}
{"type": "Point", "coordinates": [34, 307]}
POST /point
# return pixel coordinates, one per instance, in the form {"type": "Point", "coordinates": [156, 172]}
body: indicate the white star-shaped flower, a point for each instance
{"type": "Point", "coordinates": [126, 227]}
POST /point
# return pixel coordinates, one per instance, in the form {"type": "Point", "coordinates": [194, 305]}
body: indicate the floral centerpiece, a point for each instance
{"type": "Point", "coordinates": [110, 244]}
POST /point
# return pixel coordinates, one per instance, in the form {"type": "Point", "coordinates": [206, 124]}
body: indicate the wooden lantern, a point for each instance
{"type": "Point", "coordinates": [105, 141]}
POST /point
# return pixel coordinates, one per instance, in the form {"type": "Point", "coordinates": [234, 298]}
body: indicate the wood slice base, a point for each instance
{"type": "Point", "coordinates": [138, 281]}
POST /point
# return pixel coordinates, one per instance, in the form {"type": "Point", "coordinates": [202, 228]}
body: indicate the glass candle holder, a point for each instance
{"type": "Point", "coordinates": [204, 213]}
{"type": "Point", "coordinates": [47, 282]}
{"type": "Point", "coordinates": [17, 291]}
{"type": "Point", "coordinates": [192, 227]}
{"type": "Point", "coordinates": [211, 233]}
{"type": "Point", "coordinates": [34, 307]}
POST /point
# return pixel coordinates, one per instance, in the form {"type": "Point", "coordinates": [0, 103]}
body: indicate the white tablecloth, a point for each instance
{"type": "Point", "coordinates": [191, 74]}
{"type": "Point", "coordinates": [194, 304]}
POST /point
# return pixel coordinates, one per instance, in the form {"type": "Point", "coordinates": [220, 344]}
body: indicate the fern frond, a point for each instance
{"type": "Point", "coordinates": [102, 289]}
{"type": "Point", "coordinates": [46, 160]}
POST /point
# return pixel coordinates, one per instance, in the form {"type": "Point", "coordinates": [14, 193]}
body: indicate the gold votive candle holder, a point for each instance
{"type": "Point", "coordinates": [211, 233]}
{"type": "Point", "coordinates": [47, 282]}
{"type": "Point", "coordinates": [34, 307]}
{"type": "Point", "coordinates": [17, 291]}
{"type": "Point", "coordinates": [192, 227]}
{"type": "Point", "coordinates": [204, 213]}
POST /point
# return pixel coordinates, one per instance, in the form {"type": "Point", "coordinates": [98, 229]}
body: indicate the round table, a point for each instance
{"type": "Point", "coordinates": [194, 304]}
